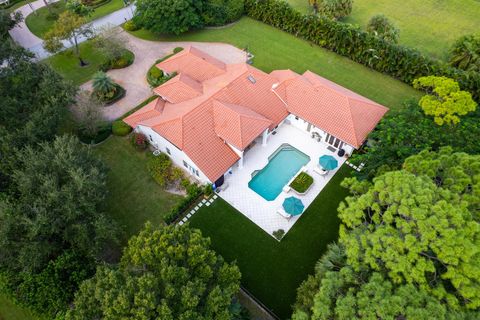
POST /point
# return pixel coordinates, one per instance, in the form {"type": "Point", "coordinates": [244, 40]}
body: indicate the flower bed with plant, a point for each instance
{"type": "Point", "coordinates": [155, 76]}
{"type": "Point", "coordinates": [105, 89]}
{"type": "Point", "coordinates": [302, 182]}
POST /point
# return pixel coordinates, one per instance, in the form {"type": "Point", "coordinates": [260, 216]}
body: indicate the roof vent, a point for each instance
{"type": "Point", "coordinates": [251, 79]}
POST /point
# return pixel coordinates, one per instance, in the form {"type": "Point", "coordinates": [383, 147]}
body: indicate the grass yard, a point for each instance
{"type": "Point", "coordinates": [10, 311]}
{"type": "Point", "coordinates": [275, 49]}
{"type": "Point", "coordinates": [134, 196]}
{"type": "Point", "coordinates": [272, 271]}
{"type": "Point", "coordinates": [40, 22]}
{"type": "Point", "coordinates": [431, 26]}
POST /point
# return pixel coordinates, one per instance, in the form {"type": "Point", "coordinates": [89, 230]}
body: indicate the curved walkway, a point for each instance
{"type": "Point", "coordinates": [133, 78]}
{"type": "Point", "coordinates": [25, 38]}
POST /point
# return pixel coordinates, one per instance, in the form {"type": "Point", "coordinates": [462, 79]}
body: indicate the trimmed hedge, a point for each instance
{"type": "Point", "coordinates": [103, 133]}
{"type": "Point", "coordinates": [127, 58]}
{"type": "Point", "coordinates": [192, 196]}
{"type": "Point", "coordinates": [405, 64]}
{"type": "Point", "coordinates": [120, 128]}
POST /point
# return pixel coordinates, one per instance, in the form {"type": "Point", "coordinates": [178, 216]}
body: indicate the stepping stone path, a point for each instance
{"type": "Point", "coordinates": [359, 168]}
{"type": "Point", "coordinates": [207, 203]}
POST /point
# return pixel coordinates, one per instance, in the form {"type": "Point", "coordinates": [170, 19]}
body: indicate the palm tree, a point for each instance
{"type": "Point", "coordinates": [465, 53]}
{"type": "Point", "coordinates": [103, 85]}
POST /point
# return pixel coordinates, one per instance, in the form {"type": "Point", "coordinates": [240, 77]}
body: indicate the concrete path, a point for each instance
{"type": "Point", "coordinates": [25, 38]}
{"type": "Point", "coordinates": [133, 78]}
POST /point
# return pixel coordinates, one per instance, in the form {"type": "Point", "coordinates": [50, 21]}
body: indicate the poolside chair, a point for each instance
{"type": "Point", "coordinates": [320, 171]}
{"type": "Point", "coordinates": [282, 212]}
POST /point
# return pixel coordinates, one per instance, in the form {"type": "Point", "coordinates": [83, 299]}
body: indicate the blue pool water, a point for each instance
{"type": "Point", "coordinates": [283, 165]}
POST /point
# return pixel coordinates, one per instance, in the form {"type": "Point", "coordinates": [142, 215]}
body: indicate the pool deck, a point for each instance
{"type": "Point", "coordinates": [260, 211]}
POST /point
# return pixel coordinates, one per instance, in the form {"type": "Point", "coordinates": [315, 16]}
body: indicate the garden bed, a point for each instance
{"type": "Point", "coordinates": [119, 94]}
{"type": "Point", "coordinates": [103, 133]}
{"type": "Point", "coordinates": [302, 183]}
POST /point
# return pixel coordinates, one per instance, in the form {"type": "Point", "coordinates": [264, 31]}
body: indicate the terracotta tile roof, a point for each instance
{"type": "Point", "coordinates": [238, 125]}
{"type": "Point", "coordinates": [180, 88]}
{"type": "Point", "coordinates": [209, 103]}
{"type": "Point", "coordinates": [195, 63]}
{"type": "Point", "coordinates": [333, 108]}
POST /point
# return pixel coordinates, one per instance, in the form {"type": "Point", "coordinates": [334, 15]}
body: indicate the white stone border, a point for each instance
{"type": "Point", "coordinates": [206, 202]}
{"type": "Point", "coordinates": [359, 168]}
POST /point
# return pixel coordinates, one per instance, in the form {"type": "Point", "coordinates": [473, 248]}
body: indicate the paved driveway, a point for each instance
{"type": "Point", "coordinates": [133, 78]}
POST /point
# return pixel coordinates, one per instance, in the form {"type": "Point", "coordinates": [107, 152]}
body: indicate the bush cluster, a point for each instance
{"type": "Point", "coordinates": [130, 25]}
{"type": "Point", "coordinates": [193, 192]}
{"type": "Point", "coordinates": [120, 128]}
{"type": "Point", "coordinates": [221, 12]}
{"type": "Point", "coordinates": [400, 62]}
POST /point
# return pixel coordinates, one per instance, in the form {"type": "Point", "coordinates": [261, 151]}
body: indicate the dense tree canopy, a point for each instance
{"type": "Point", "coordinates": [417, 233]}
{"type": "Point", "coordinates": [408, 131]}
{"type": "Point", "coordinates": [170, 16]}
{"type": "Point", "coordinates": [167, 273]}
{"type": "Point", "coordinates": [444, 99]}
{"type": "Point", "coordinates": [458, 172]}
{"type": "Point", "coordinates": [220, 12]}
{"type": "Point", "coordinates": [52, 218]}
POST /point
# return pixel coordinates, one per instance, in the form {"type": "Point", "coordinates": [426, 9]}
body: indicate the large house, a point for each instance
{"type": "Point", "coordinates": [209, 115]}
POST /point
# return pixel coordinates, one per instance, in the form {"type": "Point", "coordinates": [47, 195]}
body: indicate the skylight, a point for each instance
{"type": "Point", "coordinates": [251, 79]}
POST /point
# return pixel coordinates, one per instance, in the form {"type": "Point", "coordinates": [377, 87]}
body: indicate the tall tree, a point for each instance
{"type": "Point", "coordinates": [168, 273]}
{"type": "Point", "coordinates": [169, 16]}
{"type": "Point", "coordinates": [417, 233]}
{"type": "Point", "coordinates": [8, 21]}
{"type": "Point", "coordinates": [444, 99]}
{"type": "Point", "coordinates": [70, 27]}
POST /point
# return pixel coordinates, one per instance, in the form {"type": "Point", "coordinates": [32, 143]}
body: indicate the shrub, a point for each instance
{"type": "Point", "coordinates": [177, 49]}
{"type": "Point", "coordinates": [334, 9]}
{"type": "Point", "coordinates": [380, 26]}
{"type": "Point", "coordinates": [103, 86]}
{"type": "Point", "coordinates": [302, 182]}
{"type": "Point", "coordinates": [120, 128]}
{"type": "Point", "coordinates": [139, 140]}
{"type": "Point", "coordinates": [208, 190]}
{"type": "Point", "coordinates": [193, 192]}
{"type": "Point", "coordinates": [130, 25]}
{"type": "Point", "coordinates": [160, 167]}
{"type": "Point", "coordinates": [279, 234]}
{"type": "Point", "coordinates": [465, 53]}
{"type": "Point", "coordinates": [350, 41]}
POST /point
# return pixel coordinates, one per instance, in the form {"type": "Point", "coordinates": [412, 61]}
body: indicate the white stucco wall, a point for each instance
{"type": "Point", "coordinates": [177, 155]}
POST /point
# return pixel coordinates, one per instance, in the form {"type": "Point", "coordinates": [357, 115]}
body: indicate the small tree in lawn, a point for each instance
{"type": "Point", "coordinates": [333, 9]}
{"type": "Point", "coordinates": [465, 53]}
{"type": "Point", "coordinates": [383, 28]}
{"type": "Point", "coordinates": [444, 99]}
{"type": "Point", "coordinates": [70, 27]}
{"type": "Point", "coordinates": [109, 44]}
{"type": "Point", "coordinates": [103, 86]}
{"type": "Point", "coordinates": [88, 109]}
{"type": "Point", "coordinates": [78, 8]}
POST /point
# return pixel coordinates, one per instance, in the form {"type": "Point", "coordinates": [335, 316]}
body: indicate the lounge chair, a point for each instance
{"type": "Point", "coordinates": [282, 212]}
{"type": "Point", "coordinates": [320, 171]}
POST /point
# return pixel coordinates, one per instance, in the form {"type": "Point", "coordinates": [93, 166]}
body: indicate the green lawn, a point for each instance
{"type": "Point", "coordinates": [10, 311]}
{"type": "Point", "coordinates": [134, 196]}
{"type": "Point", "coordinates": [40, 22]}
{"type": "Point", "coordinates": [432, 26]}
{"type": "Point", "coordinates": [275, 49]}
{"type": "Point", "coordinates": [68, 65]}
{"type": "Point", "coordinates": [272, 271]}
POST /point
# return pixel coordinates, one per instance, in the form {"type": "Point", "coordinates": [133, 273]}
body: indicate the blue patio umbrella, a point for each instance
{"type": "Point", "coordinates": [328, 162]}
{"type": "Point", "coordinates": [293, 206]}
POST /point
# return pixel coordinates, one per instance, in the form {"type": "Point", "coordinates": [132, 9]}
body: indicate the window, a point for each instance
{"type": "Point", "coordinates": [197, 173]}
{"type": "Point", "coordinates": [296, 118]}
{"type": "Point", "coordinates": [150, 137]}
{"type": "Point", "coordinates": [185, 164]}
{"type": "Point", "coordinates": [168, 151]}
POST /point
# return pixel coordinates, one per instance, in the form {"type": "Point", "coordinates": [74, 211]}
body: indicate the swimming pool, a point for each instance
{"type": "Point", "coordinates": [283, 164]}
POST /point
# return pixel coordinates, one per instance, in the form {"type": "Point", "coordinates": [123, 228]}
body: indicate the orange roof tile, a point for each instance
{"type": "Point", "coordinates": [238, 125]}
{"type": "Point", "coordinates": [210, 102]}
{"type": "Point", "coordinates": [180, 88]}
{"type": "Point", "coordinates": [333, 108]}
{"type": "Point", "coordinates": [195, 63]}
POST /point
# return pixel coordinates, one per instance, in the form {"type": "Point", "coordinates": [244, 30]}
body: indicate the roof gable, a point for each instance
{"type": "Point", "coordinates": [179, 89]}
{"type": "Point", "coordinates": [237, 125]}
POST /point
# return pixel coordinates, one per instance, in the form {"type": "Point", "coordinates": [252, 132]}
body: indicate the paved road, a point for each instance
{"type": "Point", "coordinates": [22, 35]}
